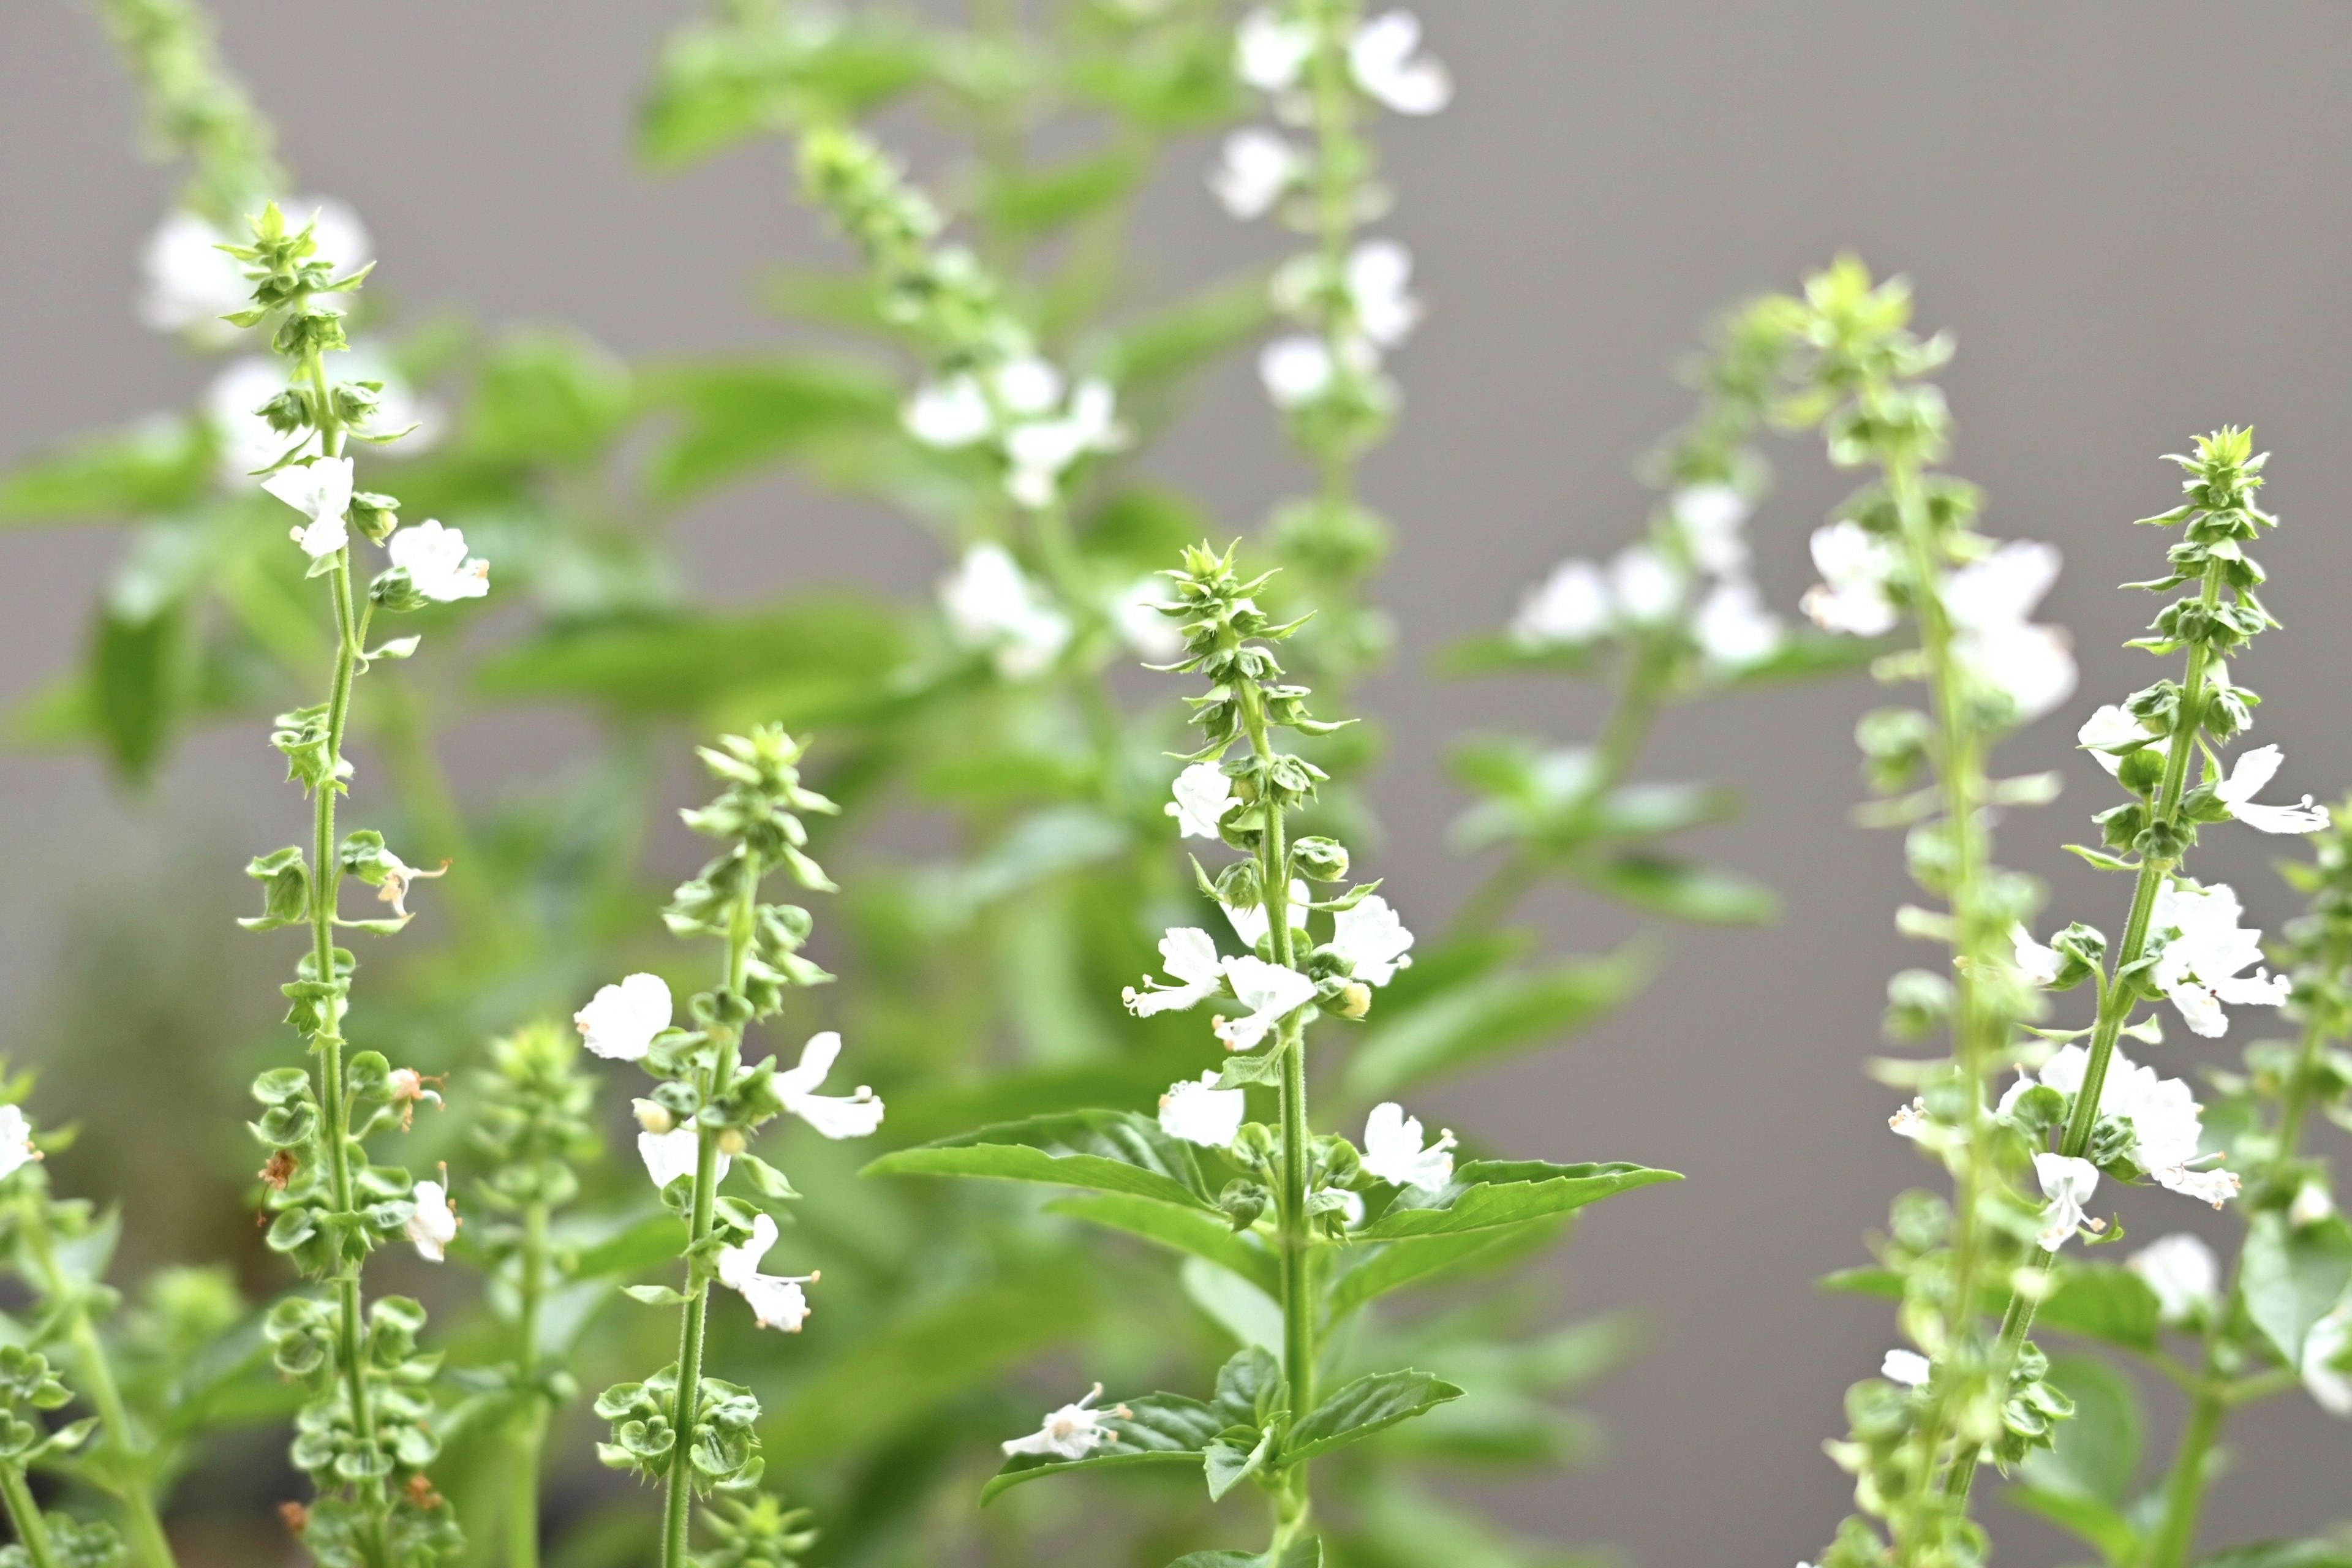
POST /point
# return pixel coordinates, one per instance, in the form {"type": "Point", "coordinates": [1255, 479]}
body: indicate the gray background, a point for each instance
{"type": "Point", "coordinates": [2132, 215]}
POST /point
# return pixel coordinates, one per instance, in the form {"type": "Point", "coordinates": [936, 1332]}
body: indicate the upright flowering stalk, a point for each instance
{"type": "Point", "coordinates": [1323, 69]}
{"type": "Point", "coordinates": [689, 1432]}
{"type": "Point", "coordinates": [1313, 1224]}
{"type": "Point", "coordinates": [1905, 546]}
{"type": "Point", "coordinates": [534, 1129]}
{"type": "Point", "coordinates": [364, 1435]}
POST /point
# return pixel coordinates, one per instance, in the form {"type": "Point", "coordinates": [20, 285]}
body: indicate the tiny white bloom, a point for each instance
{"type": "Point", "coordinates": [1270, 51]}
{"type": "Point", "coordinates": [1204, 794]}
{"type": "Point", "coordinates": [671, 1154]}
{"type": "Point", "coordinates": [1072, 1432]}
{"type": "Point", "coordinates": [2167, 1123]}
{"type": "Point", "coordinates": [1269, 991]}
{"type": "Point", "coordinates": [1199, 1112]}
{"type": "Point", "coordinates": [775, 1300]}
{"type": "Point", "coordinates": [1250, 924]}
{"type": "Point", "coordinates": [835, 1116]}
{"type": "Point", "coordinates": [2312, 1204]}
{"type": "Point", "coordinates": [1909, 1121]}
{"type": "Point", "coordinates": [1710, 517]}
{"type": "Point", "coordinates": [2204, 952]}
{"type": "Point", "coordinates": [1732, 626]}
{"type": "Point", "coordinates": [1136, 614]}
{"type": "Point", "coordinates": [1257, 168]}
{"type": "Point", "coordinates": [433, 1225]}
{"type": "Point", "coordinates": [1027, 386]}
{"type": "Point", "coordinates": [15, 1140]}
{"type": "Point", "coordinates": [1851, 598]}
{"type": "Point", "coordinates": [992, 605]}
{"type": "Point", "coordinates": [1571, 605]}
{"type": "Point", "coordinates": [621, 1021]}
{"type": "Point", "coordinates": [1908, 1368]}
{"type": "Point", "coordinates": [1041, 450]}
{"type": "Point", "coordinates": [2036, 964]}
{"type": "Point", "coordinates": [2110, 731]}
{"type": "Point", "coordinates": [2068, 1184]}
{"type": "Point", "coordinates": [1380, 278]}
{"type": "Point", "coordinates": [949, 415]}
{"type": "Point", "coordinates": [1384, 57]}
{"type": "Point", "coordinates": [1297, 370]}
{"type": "Point", "coordinates": [1646, 586]}
{"type": "Point", "coordinates": [321, 491]}
{"type": "Point", "coordinates": [1394, 1152]}
{"type": "Point", "coordinates": [436, 561]}
{"type": "Point", "coordinates": [1988, 603]}
{"type": "Point", "coordinates": [2323, 1371]}
{"type": "Point", "coordinates": [1190, 956]}
{"type": "Point", "coordinates": [1373, 939]}
{"type": "Point", "coordinates": [2184, 1275]}
{"type": "Point", "coordinates": [2254, 770]}
{"type": "Point", "coordinates": [398, 877]}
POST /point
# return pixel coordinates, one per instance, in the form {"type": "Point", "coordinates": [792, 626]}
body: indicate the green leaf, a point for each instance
{"type": "Point", "coordinates": [1029, 202]}
{"type": "Point", "coordinates": [1677, 888]}
{"type": "Point", "coordinates": [2097, 1452]}
{"type": "Point", "coordinates": [1307, 1554]}
{"type": "Point", "coordinates": [1187, 336]}
{"type": "Point", "coordinates": [547, 396]}
{"type": "Point", "coordinates": [721, 84]}
{"type": "Point", "coordinates": [656, 1239]}
{"type": "Point", "coordinates": [1251, 1388]}
{"type": "Point", "coordinates": [1488, 1194]}
{"type": "Point", "coordinates": [1158, 1429]}
{"type": "Point", "coordinates": [1107, 1150]}
{"type": "Point", "coordinates": [1375, 1269]}
{"type": "Point", "coordinates": [1352, 1413]}
{"type": "Point", "coordinates": [1229, 1463]}
{"type": "Point", "coordinates": [139, 688]}
{"type": "Point", "coordinates": [1203, 1235]}
{"type": "Point", "coordinates": [654, 1295]}
{"type": "Point", "coordinates": [150, 468]}
{"type": "Point", "coordinates": [734, 417]}
{"type": "Point", "coordinates": [766, 1179]}
{"type": "Point", "coordinates": [1487, 1017]}
{"type": "Point", "coordinates": [2292, 1278]}
{"type": "Point", "coordinates": [1883, 1283]}
{"type": "Point", "coordinates": [2088, 1518]}
{"type": "Point", "coordinates": [1251, 1316]}
{"type": "Point", "coordinates": [1494, 653]}
{"type": "Point", "coordinates": [1806, 656]}
{"type": "Point", "coordinates": [2104, 1301]}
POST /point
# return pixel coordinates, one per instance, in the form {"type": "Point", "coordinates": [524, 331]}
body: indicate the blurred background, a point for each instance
{"type": "Point", "coordinates": [2132, 215]}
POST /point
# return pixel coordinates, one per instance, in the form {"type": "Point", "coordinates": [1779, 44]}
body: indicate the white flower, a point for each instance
{"type": "Point", "coordinates": [1269, 991]}
{"type": "Point", "coordinates": [671, 1154]}
{"type": "Point", "coordinates": [2323, 1355]}
{"type": "Point", "coordinates": [991, 605]}
{"type": "Point", "coordinates": [1733, 628]}
{"type": "Point", "coordinates": [247, 444]}
{"type": "Point", "coordinates": [15, 1140]}
{"type": "Point", "coordinates": [948, 414]}
{"type": "Point", "coordinates": [1909, 1121]}
{"type": "Point", "coordinates": [775, 1300]}
{"type": "Point", "coordinates": [1851, 598]}
{"type": "Point", "coordinates": [1040, 451]}
{"type": "Point", "coordinates": [1136, 615]}
{"type": "Point", "coordinates": [1258, 167]}
{"type": "Point", "coordinates": [1072, 1432]}
{"type": "Point", "coordinates": [1908, 1368]}
{"type": "Point", "coordinates": [2254, 770]}
{"type": "Point", "coordinates": [2110, 731]}
{"type": "Point", "coordinates": [2312, 1204]}
{"type": "Point", "coordinates": [835, 1116]}
{"type": "Point", "coordinates": [1250, 924]}
{"type": "Point", "coordinates": [191, 285]}
{"type": "Point", "coordinates": [1199, 1112]}
{"type": "Point", "coordinates": [2182, 1273]}
{"type": "Point", "coordinates": [1188, 954]}
{"type": "Point", "coordinates": [398, 877]}
{"type": "Point", "coordinates": [409, 1090]}
{"type": "Point", "coordinates": [1269, 51]}
{"type": "Point", "coordinates": [1710, 517]}
{"type": "Point", "coordinates": [1379, 276]}
{"type": "Point", "coordinates": [1392, 1150]}
{"type": "Point", "coordinates": [2068, 1184]}
{"type": "Point", "coordinates": [2167, 1122]}
{"type": "Point", "coordinates": [1382, 56]}
{"type": "Point", "coordinates": [438, 565]}
{"type": "Point", "coordinates": [1645, 586]}
{"type": "Point", "coordinates": [2199, 968]}
{"type": "Point", "coordinates": [1571, 605]}
{"type": "Point", "coordinates": [1988, 603]}
{"type": "Point", "coordinates": [433, 1225]}
{"type": "Point", "coordinates": [1204, 794]}
{"type": "Point", "coordinates": [321, 491]}
{"type": "Point", "coordinates": [1373, 939]}
{"type": "Point", "coordinates": [2036, 964]}
{"type": "Point", "coordinates": [621, 1021]}
{"type": "Point", "coordinates": [1297, 370]}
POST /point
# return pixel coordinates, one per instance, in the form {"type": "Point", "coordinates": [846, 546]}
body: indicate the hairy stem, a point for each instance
{"type": "Point", "coordinates": [32, 1531]}
{"type": "Point", "coordinates": [531, 1425]}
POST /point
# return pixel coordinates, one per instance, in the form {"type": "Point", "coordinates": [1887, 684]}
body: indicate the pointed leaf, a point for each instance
{"type": "Point", "coordinates": [1229, 1462]}
{"type": "Point", "coordinates": [2292, 1277]}
{"type": "Point", "coordinates": [1368, 1405]}
{"type": "Point", "coordinates": [2104, 1301]}
{"type": "Point", "coordinates": [1486, 1194]}
{"type": "Point", "coordinates": [1203, 1235]}
{"type": "Point", "coordinates": [1376, 1269]}
{"type": "Point", "coordinates": [1108, 1151]}
{"type": "Point", "coordinates": [1675, 888]}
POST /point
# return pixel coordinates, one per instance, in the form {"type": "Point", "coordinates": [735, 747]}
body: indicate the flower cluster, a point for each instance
{"type": "Point", "coordinates": [689, 1431]}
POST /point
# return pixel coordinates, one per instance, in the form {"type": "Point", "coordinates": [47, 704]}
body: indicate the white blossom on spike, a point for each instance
{"type": "Point", "coordinates": [621, 1021]}
{"type": "Point", "coordinates": [2203, 954]}
{"type": "Point", "coordinates": [775, 1300]}
{"type": "Point", "coordinates": [1380, 279]}
{"type": "Point", "coordinates": [2254, 770]}
{"type": "Point", "coordinates": [1136, 612]}
{"type": "Point", "coordinates": [835, 1116]}
{"type": "Point", "coordinates": [1908, 1368]}
{"type": "Point", "coordinates": [1204, 793]}
{"type": "Point", "coordinates": [1571, 605]}
{"type": "Point", "coordinates": [1987, 603]}
{"type": "Point", "coordinates": [320, 490]}
{"type": "Point", "coordinates": [2323, 1353]}
{"type": "Point", "coordinates": [1644, 585]}
{"type": "Point", "coordinates": [1250, 924]}
{"type": "Point", "coordinates": [2068, 1184]}
{"type": "Point", "coordinates": [1269, 991]}
{"type": "Point", "coordinates": [1732, 626]}
{"type": "Point", "coordinates": [438, 565]}
{"type": "Point", "coordinates": [2312, 1202]}
{"type": "Point", "coordinates": [1385, 59]}
{"type": "Point", "coordinates": [1041, 450]}
{"type": "Point", "coordinates": [1199, 1112]}
{"type": "Point", "coordinates": [1851, 598]}
{"type": "Point", "coordinates": [1188, 954]}
{"type": "Point", "coordinates": [1257, 168]}
{"type": "Point", "coordinates": [1710, 517]}
{"type": "Point", "coordinates": [433, 1223]}
{"type": "Point", "coordinates": [2184, 1275]}
{"type": "Point", "coordinates": [1270, 51]}
{"type": "Point", "coordinates": [991, 605]}
{"type": "Point", "coordinates": [1393, 1150]}
{"type": "Point", "coordinates": [1909, 1121]}
{"type": "Point", "coordinates": [2036, 964]}
{"type": "Point", "coordinates": [15, 1140]}
{"type": "Point", "coordinates": [672, 1154]}
{"type": "Point", "coordinates": [949, 415]}
{"type": "Point", "coordinates": [1296, 370]}
{"type": "Point", "coordinates": [2111, 732]}
{"type": "Point", "coordinates": [1373, 939]}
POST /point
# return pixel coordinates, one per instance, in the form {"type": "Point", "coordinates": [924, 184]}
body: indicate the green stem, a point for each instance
{"type": "Point", "coordinates": [531, 1425]}
{"type": "Point", "coordinates": [677, 1506]}
{"type": "Point", "coordinates": [2116, 1001]}
{"type": "Point", "coordinates": [32, 1530]}
{"type": "Point", "coordinates": [2184, 1491]}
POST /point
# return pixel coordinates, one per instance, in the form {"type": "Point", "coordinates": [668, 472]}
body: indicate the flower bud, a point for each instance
{"type": "Point", "coordinates": [1237, 885]}
{"type": "Point", "coordinates": [1243, 1201]}
{"type": "Point", "coordinates": [1323, 859]}
{"type": "Point", "coordinates": [1355, 999]}
{"type": "Point", "coordinates": [654, 1117]}
{"type": "Point", "coordinates": [732, 1142]}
